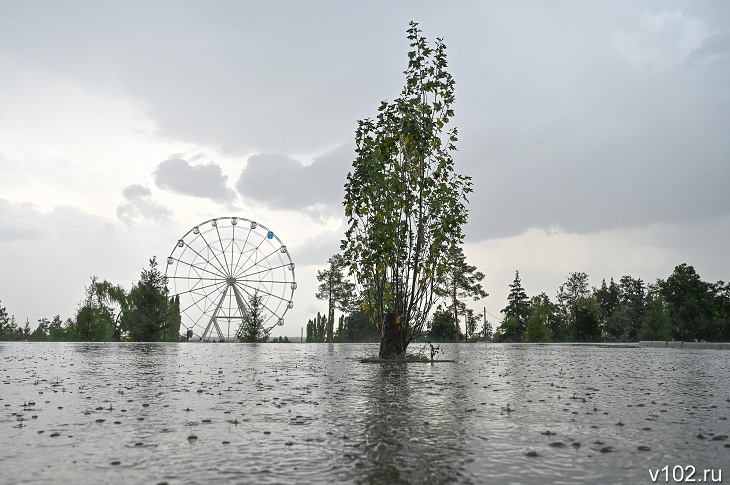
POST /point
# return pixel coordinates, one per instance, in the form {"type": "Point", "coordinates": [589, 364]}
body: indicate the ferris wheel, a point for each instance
{"type": "Point", "coordinates": [220, 266]}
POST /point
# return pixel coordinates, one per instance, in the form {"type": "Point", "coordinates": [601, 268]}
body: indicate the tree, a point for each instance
{"type": "Point", "coordinates": [26, 330]}
{"type": "Point", "coordinates": [56, 330]}
{"type": "Point", "coordinates": [721, 321]}
{"type": "Point", "coordinates": [356, 325]}
{"type": "Point", "coordinates": [656, 325]}
{"type": "Point", "coordinates": [633, 301]}
{"type": "Point", "coordinates": [115, 300]}
{"type": "Point", "coordinates": [404, 202]}
{"type": "Point", "coordinates": [9, 329]}
{"type": "Point", "coordinates": [252, 321]}
{"type": "Point", "coordinates": [608, 299]}
{"type": "Point", "coordinates": [472, 320]}
{"type": "Point", "coordinates": [316, 329]}
{"type": "Point", "coordinates": [690, 304]}
{"type": "Point", "coordinates": [5, 329]}
{"type": "Point", "coordinates": [617, 324]}
{"type": "Point", "coordinates": [537, 330]}
{"type": "Point", "coordinates": [549, 315]}
{"type": "Point", "coordinates": [334, 288]}
{"type": "Point", "coordinates": [93, 322]}
{"type": "Point", "coordinates": [146, 317]}
{"type": "Point", "coordinates": [171, 332]}
{"type": "Point", "coordinates": [574, 289]}
{"type": "Point", "coordinates": [41, 331]}
{"type": "Point", "coordinates": [462, 280]}
{"type": "Point", "coordinates": [517, 307]}
{"type": "Point", "coordinates": [487, 330]}
{"type": "Point", "coordinates": [509, 331]}
{"type": "Point", "coordinates": [543, 322]}
{"type": "Point", "coordinates": [587, 320]}
{"type": "Point", "coordinates": [441, 327]}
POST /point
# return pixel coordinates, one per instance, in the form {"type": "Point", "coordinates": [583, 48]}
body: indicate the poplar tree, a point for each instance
{"type": "Point", "coordinates": [405, 203]}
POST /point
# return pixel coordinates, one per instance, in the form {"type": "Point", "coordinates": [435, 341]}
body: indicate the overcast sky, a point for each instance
{"type": "Point", "coordinates": [596, 133]}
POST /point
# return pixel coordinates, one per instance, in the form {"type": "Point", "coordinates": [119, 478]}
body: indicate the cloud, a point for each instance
{"type": "Point", "coordinates": [659, 40]}
{"type": "Point", "coordinates": [21, 222]}
{"type": "Point", "coordinates": [205, 180]}
{"type": "Point", "coordinates": [316, 250]}
{"type": "Point", "coordinates": [282, 182]}
{"type": "Point", "coordinates": [140, 206]}
{"type": "Point", "coordinates": [587, 140]}
{"type": "Point", "coordinates": [53, 254]}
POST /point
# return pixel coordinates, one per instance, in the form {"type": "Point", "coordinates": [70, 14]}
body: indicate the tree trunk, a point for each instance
{"type": "Point", "coordinates": [393, 337]}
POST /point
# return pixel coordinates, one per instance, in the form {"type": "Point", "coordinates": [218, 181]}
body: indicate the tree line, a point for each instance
{"type": "Point", "coordinates": [110, 313]}
{"type": "Point", "coordinates": [681, 307]}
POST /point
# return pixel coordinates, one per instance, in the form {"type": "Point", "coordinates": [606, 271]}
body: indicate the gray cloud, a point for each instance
{"type": "Point", "coordinates": [282, 182]}
{"type": "Point", "coordinates": [586, 117]}
{"type": "Point", "coordinates": [586, 138]}
{"type": "Point", "coordinates": [65, 246]}
{"type": "Point", "coordinates": [318, 249]}
{"type": "Point", "coordinates": [205, 180]}
{"type": "Point", "coordinates": [21, 222]}
{"type": "Point", "coordinates": [140, 206]}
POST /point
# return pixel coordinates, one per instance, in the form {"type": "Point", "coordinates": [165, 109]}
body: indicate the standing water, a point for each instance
{"type": "Point", "coordinates": [313, 413]}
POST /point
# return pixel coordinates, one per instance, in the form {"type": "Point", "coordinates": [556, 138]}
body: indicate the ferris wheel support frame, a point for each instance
{"type": "Point", "coordinates": [214, 317]}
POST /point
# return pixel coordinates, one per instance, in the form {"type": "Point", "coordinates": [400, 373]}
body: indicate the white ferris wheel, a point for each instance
{"type": "Point", "coordinates": [218, 267]}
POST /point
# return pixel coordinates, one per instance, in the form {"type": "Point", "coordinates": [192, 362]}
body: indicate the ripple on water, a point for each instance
{"type": "Point", "coordinates": [313, 413]}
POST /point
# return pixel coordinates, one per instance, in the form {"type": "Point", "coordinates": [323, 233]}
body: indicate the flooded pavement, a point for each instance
{"type": "Point", "coordinates": [312, 413]}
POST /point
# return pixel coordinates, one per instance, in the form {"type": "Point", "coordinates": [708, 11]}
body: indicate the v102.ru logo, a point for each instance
{"type": "Point", "coordinates": [685, 474]}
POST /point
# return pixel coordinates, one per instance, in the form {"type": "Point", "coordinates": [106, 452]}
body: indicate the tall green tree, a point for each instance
{"type": "Point", "coordinates": [690, 304]}
{"type": "Point", "coordinates": [146, 317]}
{"type": "Point", "coordinates": [335, 288]}
{"type": "Point", "coordinates": [633, 302]}
{"type": "Point", "coordinates": [574, 289]}
{"type": "Point", "coordinates": [608, 297]}
{"type": "Point", "coordinates": [518, 307]}
{"type": "Point", "coordinates": [404, 202]}
{"type": "Point", "coordinates": [252, 328]}
{"type": "Point", "coordinates": [461, 280]}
